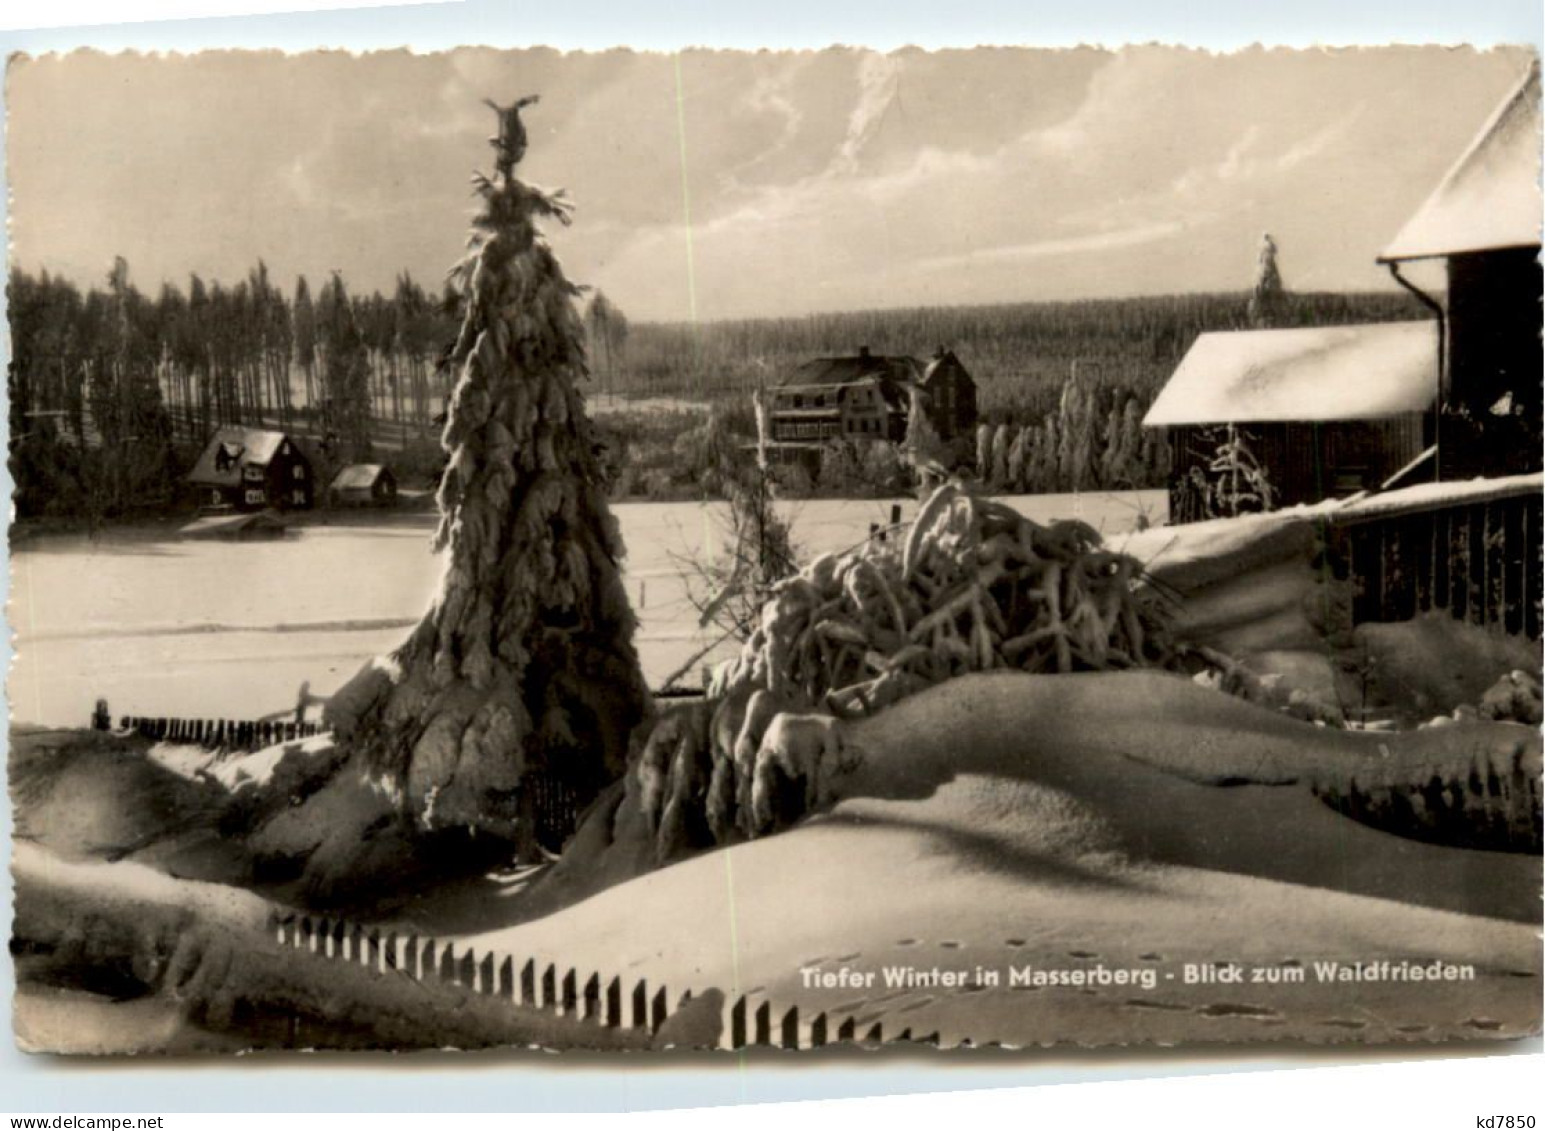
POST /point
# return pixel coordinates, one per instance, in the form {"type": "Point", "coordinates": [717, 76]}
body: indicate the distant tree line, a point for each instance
{"type": "Point", "coordinates": [109, 387]}
{"type": "Point", "coordinates": [1020, 354]}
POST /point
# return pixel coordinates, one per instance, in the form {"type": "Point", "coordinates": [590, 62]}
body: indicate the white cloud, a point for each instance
{"type": "Point", "coordinates": [878, 76]}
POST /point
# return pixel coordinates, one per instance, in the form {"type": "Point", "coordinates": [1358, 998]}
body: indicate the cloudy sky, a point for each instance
{"type": "Point", "coordinates": [715, 185]}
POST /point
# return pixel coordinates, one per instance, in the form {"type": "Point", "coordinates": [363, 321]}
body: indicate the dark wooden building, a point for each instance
{"type": "Point", "coordinates": [868, 396]}
{"type": "Point", "coordinates": [252, 468]}
{"type": "Point", "coordinates": [1326, 411]}
{"type": "Point", "coordinates": [1482, 224]}
{"type": "Point", "coordinates": [948, 395]}
{"type": "Point", "coordinates": [1332, 411]}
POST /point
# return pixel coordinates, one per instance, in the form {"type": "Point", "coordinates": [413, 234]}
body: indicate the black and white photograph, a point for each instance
{"type": "Point", "coordinates": [633, 551]}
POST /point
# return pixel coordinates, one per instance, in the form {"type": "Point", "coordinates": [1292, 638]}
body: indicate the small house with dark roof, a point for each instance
{"type": "Point", "coordinates": [363, 485]}
{"type": "Point", "coordinates": [253, 468]}
{"type": "Point", "coordinates": [868, 396]}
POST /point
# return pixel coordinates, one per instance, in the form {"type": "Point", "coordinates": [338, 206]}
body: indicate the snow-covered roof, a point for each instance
{"type": "Point", "coordinates": [357, 476]}
{"type": "Point", "coordinates": [1364, 372]}
{"type": "Point", "coordinates": [1430, 496]}
{"type": "Point", "coordinates": [232, 448]}
{"type": "Point", "coordinates": [1491, 197]}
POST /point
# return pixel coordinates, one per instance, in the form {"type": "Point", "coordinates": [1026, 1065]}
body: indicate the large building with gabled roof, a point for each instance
{"type": "Point", "coordinates": [868, 396]}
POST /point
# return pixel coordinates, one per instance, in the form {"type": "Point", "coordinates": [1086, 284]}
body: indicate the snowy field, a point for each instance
{"type": "Point", "coordinates": [159, 626]}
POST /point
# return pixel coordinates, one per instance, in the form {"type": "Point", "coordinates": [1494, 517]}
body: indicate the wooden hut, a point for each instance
{"type": "Point", "coordinates": [363, 485]}
{"type": "Point", "coordinates": [251, 469]}
{"type": "Point", "coordinates": [1325, 411]}
{"type": "Point", "coordinates": [1331, 411]}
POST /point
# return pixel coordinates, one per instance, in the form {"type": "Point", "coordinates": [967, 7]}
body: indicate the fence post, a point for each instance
{"type": "Point", "coordinates": [373, 949]}
{"type": "Point", "coordinates": [818, 1031]}
{"type": "Point", "coordinates": [427, 968]}
{"type": "Point", "coordinates": [614, 1003]}
{"type": "Point", "coordinates": [338, 937]}
{"type": "Point", "coordinates": [790, 1028]}
{"type": "Point", "coordinates": [306, 936]}
{"type": "Point", "coordinates": [528, 983]}
{"type": "Point", "coordinates": [875, 1036]}
{"type": "Point", "coordinates": [738, 1023]}
{"type": "Point", "coordinates": [391, 951]}
{"type": "Point", "coordinates": [763, 1032]}
{"type": "Point", "coordinates": [466, 970]}
{"type": "Point", "coordinates": [507, 978]}
{"type": "Point", "coordinates": [550, 987]}
{"type": "Point", "coordinates": [356, 951]}
{"type": "Point", "coordinates": [657, 1013]}
{"type": "Point", "coordinates": [570, 994]}
{"type": "Point", "coordinates": [641, 1005]}
{"type": "Point", "coordinates": [448, 963]}
{"type": "Point", "coordinates": [592, 997]}
{"type": "Point", "coordinates": [846, 1029]}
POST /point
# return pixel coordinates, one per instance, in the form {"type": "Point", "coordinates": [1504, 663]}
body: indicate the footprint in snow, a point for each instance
{"type": "Point", "coordinates": [1237, 1009]}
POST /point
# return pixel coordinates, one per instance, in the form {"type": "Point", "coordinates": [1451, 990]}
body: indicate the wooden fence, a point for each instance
{"type": "Point", "coordinates": [556, 800]}
{"type": "Point", "coordinates": [1476, 555]}
{"type": "Point", "coordinates": [577, 993]}
{"type": "Point", "coordinates": [217, 734]}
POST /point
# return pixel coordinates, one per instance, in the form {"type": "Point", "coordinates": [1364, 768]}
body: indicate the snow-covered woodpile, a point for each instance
{"type": "Point", "coordinates": [974, 586]}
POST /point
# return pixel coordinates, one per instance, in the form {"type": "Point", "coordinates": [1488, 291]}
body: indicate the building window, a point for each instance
{"type": "Point", "coordinates": [799, 402]}
{"type": "Point", "coordinates": [255, 497]}
{"type": "Point", "coordinates": [299, 472]}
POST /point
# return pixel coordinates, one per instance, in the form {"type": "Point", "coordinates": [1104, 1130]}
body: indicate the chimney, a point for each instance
{"type": "Point", "coordinates": [863, 352]}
